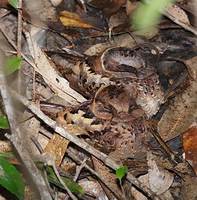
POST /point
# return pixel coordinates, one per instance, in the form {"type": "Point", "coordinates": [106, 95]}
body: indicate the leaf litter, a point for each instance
{"type": "Point", "coordinates": [87, 69]}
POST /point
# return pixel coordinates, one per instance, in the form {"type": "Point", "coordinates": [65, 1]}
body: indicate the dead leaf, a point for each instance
{"type": "Point", "coordinates": [109, 7]}
{"type": "Point", "coordinates": [57, 145]}
{"type": "Point", "coordinates": [190, 146]}
{"type": "Point", "coordinates": [118, 20]}
{"type": "Point", "coordinates": [41, 11]}
{"type": "Point", "coordinates": [159, 179]}
{"type": "Point", "coordinates": [110, 179]}
{"type": "Point", "coordinates": [93, 188]}
{"type": "Point", "coordinates": [85, 123]}
{"type": "Point", "coordinates": [47, 69]}
{"type": "Point", "coordinates": [189, 188]}
{"type": "Point", "coordinates": [130, 7]}
{"type": "Point", "coordinates": [178, 13]}
{"type": "Point", "coordinates": [73, 20]}
{"type": "Point", "coordinates": [56, 2]}
{"type": "Point", "coordinates": [182, 112]}
{"type": "Point", "coordinates": [3, 3]}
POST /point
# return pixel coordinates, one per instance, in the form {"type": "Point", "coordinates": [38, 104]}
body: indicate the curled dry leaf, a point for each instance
{"type": "Point", "coordinates": [73, 20]}
{"type": "Point", "coordinates": [158, 179]}
{"type": "Point", "coordinates": [57, 147]}
{"type": "Point", "coordinates": [182, 113]}
{"type": "Point", "coordinates": [178, 13]}
{"type": "Point", "coordinates": [190, 146]}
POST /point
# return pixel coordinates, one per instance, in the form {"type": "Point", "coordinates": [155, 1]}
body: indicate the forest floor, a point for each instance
{"type": "Point", "coordinates": [98, 109]}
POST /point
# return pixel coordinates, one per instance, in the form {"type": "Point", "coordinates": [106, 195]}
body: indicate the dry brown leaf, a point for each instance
{"type": "Point", "coordinates": [56, 2]}
{"type": "Point", "coordinates": [159, 179]}
{"type": "Point", "coordinates": [131, 6]}
{"type": "Point", "coordinates": [109, 7]}
{"type": "Point", "coordinates": [47, 70]}
{"type": "Point", "coordinates": [73, 20]}
{"type": "Point", "coordinates": [57, 145]}
{"type": "Point", "coordinates": [84, 123]}
{"type": "Point", "coordinates": [119, 19]}
{"type": "Point", "coordinates": [93, 188]}
{"type": "Point", "coordinates": [190, 146]}
{"type": "Point", "coordinates": [189, 188]}
{"type": "Point", "coordinates": [41, 11]}
{"type": "Point", "coordinates": [182, 113]}
{"type": "Point", "coordinates": [178, 13]}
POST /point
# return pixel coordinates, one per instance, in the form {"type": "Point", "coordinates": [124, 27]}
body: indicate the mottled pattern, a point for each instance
{"type": "Point", "coordinates": [130, 68]}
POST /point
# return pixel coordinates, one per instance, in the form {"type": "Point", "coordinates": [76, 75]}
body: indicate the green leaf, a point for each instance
{"type": "Point", "coordinates": [121, 172]}
{"type": "Point", "coordinates": [73, 186]}
{"type": "Point", "coordinates": [13, 3]}
{"type": "Point", "coordinates": [149, 14]}
{"type": "Point", "coordinates": [12, 64]}
{"type": "Point", "coordinates": [11, 179]}
{"type": "Point", "coordinates": [4, 122]}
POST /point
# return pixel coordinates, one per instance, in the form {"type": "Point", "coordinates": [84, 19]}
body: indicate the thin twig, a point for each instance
{"type": "Point", "coordinates": [78, 169]}
{"type": "Point", "coordinates": [19, 28]}
{"type": "Point", "coordinates": [72, 196]}
{"type": "Point", "coordinates": [19, 40]}
{"type": "Point", "coordinates": [81, 143]}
